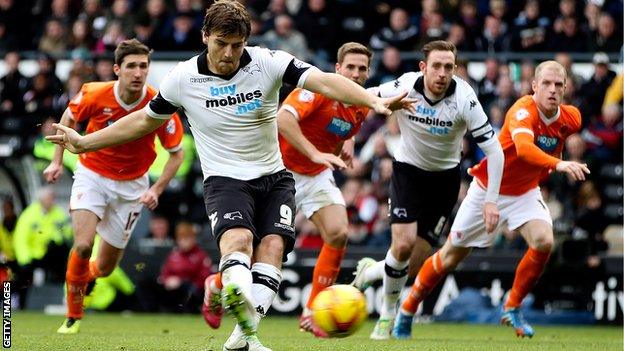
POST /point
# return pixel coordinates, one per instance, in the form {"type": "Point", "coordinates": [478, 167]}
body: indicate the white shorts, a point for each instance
{"type": "Point", "coordinates": [115, 202]}
{"type": "Point", "coordinates": [315, 192]}
{"type": "Point", "coordinates": [468, 230]}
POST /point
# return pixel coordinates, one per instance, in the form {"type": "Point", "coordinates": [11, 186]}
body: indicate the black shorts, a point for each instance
{"type": "Point", "coordinates": [264, 205]}
{"type": "Point", "coordinates": [424, 197]}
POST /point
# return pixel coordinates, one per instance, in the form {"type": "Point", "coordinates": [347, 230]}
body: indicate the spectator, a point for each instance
{"type": "Point", "coordinates": [113, 35]}
{"type": "Point", "coordinates": [93, 14]}
{"type": "Point", "coordinates": [317, 22]}
{"type": "Point", "coordinates": [41, 239]}
{"type": "Point", "coordinates": [391, 67]}
{"type": "Point", "coordinates": [605, 38]}
{"type": "Point", "coordinates": [121, 13]}
{"type": "Point", "coordinates": [54, 40]}
{"type": "Point", "coordinates": [436, 30]}
{"type": "Point", "coordinates": [605, 134]}
{"type": "Point", "coordinates": [183, 274]}
{"type": "Point", "coordinates": [590, 222]}
{"type": "Point", "coordinates": [530, 28]}
{"type": "Point", "coordinates": [471, 21]}
{"type": "Point", "coordinates": [80, 37]}
{"type": "Point", "coordinates": [47, 67]}
{"type": "Point", "coordinates": [159, 231]}
{"type": "Point", "coordinates": [400, 33]}
{"type": "Point", "coordinates": [494, 38]}
{"type": "Point", "coordinates": [185, 36]}
{"type": "Point", "coordinates": [505, 93]}
{"type": "Point", "coordinates": [14, 86]}
{"type": "Point", "coordinates": [39, 99]}
{"type": "Point", "coordinates": [592, 14]}
{"type": "Point", "coordinates": [486, 89]}
{"type": "Point", "coordinates": [565, 60]}
{"type": "Point", "coordinates": [285, 37]}
{"type": "Point", "coordinates": [9, 216]}
{"type": "Point", "coordinates": [595, 89]}
{"type": "Point", "coordinates": [152, 24]}
{"type": "Point", "coordinates": [104, 69]}
{"type": "Point", "coordinates": [569, 38]}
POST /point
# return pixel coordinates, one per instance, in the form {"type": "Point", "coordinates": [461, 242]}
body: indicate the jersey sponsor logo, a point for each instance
{"type": "Point", "coordinates": [248, 101]}
{"type": "Point", "coordinates": [201, 79]}
{"type": "Point", "coordinates": [339, 127]}
{"type": "Point", "coordinates": [438, 127]}
{"type": "Point", "coordinates": [233, 215]}
{"type": "Point", "coordinates": [546, 143]}
{"type": "Point", "coordinates": [427, 111]}
{"type": "Point", "coordinates": [522, 114]}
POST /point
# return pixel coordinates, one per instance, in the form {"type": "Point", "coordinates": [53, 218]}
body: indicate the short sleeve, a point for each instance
{"type": "Point", "coordinates": [79, 106]}
{"type": "Point", "coordinates": [476, 119]}
{"type": "Point", "coordinates": [168, 99]}
{"type": "Point", "coordinates": [396, 87]}
{"type": "Point", "coordinates": [520, 121]}
{"type": "Point", "coordinates": [170, 134]}
{"type": "Point", "coordinates": [287, 68]}
{"type": "Point", "coordinates": [302, 103]}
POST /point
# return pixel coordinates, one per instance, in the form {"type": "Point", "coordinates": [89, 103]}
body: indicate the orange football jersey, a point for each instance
{"type": "Point", "coordinates": [324, 122]}
{"type": "Point", "coordinates": [524, 123]}
{"type": "Point", "coordinates": [100, 104]}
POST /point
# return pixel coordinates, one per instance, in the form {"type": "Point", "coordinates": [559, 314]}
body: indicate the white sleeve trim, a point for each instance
{"type": "Point", "coordinates": [153, 114]}
{"type": "Point", "coordinates": [292, 110]}
{"type": "Point", "coordinates": [305, 75]}
{"type": "Point", "coordinates": [521, 130]}
{"type": "Point", "coordinates": [175, 148]}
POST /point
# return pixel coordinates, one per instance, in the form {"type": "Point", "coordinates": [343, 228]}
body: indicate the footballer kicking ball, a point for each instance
{"type": "Point", "coordinates": [339, 310]}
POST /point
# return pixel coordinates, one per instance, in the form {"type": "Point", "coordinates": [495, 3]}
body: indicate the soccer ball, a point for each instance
{"type": "Point", "coordinates": [339, 310]}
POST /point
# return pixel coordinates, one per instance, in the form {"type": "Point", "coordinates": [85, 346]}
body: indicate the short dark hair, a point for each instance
{"type": "Point", "coordinates": [354, 48]}
{"type": "Point", "coordinates": [438, 45]}
{"type": "Point", "coordinates": [131, 47]}
{"type": "Point", "coordinates": [227, 17]}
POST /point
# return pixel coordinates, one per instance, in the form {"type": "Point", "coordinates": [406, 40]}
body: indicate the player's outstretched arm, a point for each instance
{"type": "Point", "coordinates": [131, 127]}
{"type": "Point", "coordinates": [337, 87]}
{"type": "Point", "coordinates": [55, 169]}
{"type": "Point", "coordinates": [288, 127]}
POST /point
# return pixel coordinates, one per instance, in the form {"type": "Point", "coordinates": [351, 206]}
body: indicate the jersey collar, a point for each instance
{"type": "Point", "coordinates": [202, 65]}
{"type": "Point", "coordinates": [547, 121]}
{"type": "Point", "coordinates": [122, 103]}
{"type": "Point", "coordinates": [419, 86]}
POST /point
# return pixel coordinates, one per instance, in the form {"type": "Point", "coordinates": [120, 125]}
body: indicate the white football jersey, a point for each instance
{"type": "Point", "coordinates": [232, 118]}
{"type": "Point", "coordinates": [431, 139]}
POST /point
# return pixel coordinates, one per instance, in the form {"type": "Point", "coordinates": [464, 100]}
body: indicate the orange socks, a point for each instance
{"type": "Point", "coordinates": [528, 272]}
{"type": "Point", "coordinates": [326, 270]}
{"type": "Point", "coordinates": [76, 278]}
{"type": "Point", "coordinates": [94, 271]}
{"type": "Point", "coordinates": [428, 277]}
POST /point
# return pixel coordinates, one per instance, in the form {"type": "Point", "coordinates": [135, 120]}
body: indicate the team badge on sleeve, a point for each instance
{"type": "Point", "coordinates": [171, 127]}
{"type": "Point", "coordinates": [306, 96]}
{"type": "Point", "coordinates": [522, 114]}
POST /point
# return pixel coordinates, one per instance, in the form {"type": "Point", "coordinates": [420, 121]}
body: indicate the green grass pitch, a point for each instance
{"type": "Point", "coordinates": [36, 331]}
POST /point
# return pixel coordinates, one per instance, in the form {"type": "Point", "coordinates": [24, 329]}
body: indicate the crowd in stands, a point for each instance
{"type": "Point", "coordinates": [86, 32]}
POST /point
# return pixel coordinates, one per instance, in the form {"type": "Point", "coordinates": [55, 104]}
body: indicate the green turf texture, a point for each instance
{"type": "Point", "coordinates": [36, 331]}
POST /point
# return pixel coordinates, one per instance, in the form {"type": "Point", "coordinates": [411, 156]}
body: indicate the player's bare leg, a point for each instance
{"type": "Point", "coordinates": [333, 224]}
{"type": "Point", "coordinates": [539, 237]}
